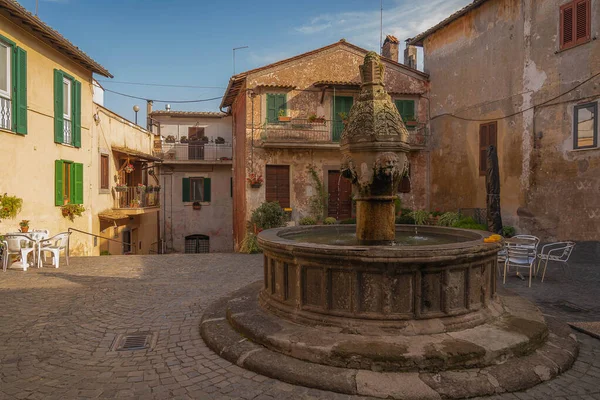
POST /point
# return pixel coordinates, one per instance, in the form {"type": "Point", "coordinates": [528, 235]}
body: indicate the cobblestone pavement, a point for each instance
{"type": "Point", "coordinates": [57, 327]}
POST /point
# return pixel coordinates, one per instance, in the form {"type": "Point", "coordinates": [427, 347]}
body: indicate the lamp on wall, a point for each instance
{"type": "Point", "coordinates": [136, 108]}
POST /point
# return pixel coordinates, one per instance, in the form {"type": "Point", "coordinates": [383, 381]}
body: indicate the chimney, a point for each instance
{"type": "Point", "coordinates": [410, 56]}
{"type": "Point", "coordinates": [390, 48]}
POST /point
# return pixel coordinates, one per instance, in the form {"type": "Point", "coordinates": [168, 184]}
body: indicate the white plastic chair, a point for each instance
{"type": "Point", "coordinates": [37, 236]}
{"type": "Point", "coordinates": [520, 256]}
{"type": "Point", "coordinates": [4, 254]}
{"type": "Point", "coordinates": [55, 245]}
{"type": "Point", "coordinates": [20, 244]}
{"type": "Point", "coordinates": [558, 251]}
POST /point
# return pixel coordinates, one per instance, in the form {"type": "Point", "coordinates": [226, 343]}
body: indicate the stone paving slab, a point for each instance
{"type": "Point", "coordinates": [57, 326]}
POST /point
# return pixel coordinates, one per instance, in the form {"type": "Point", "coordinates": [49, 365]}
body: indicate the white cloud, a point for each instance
{"type": "Point", "coordinates": [402, 19]}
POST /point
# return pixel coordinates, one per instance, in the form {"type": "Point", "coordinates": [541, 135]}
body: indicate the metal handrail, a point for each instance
{"type": "Point", "coordinates": [101, 237]}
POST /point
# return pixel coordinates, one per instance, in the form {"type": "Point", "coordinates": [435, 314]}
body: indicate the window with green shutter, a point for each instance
{"type": "Point", "coordinates": [68, 183]}
{"type": "Point", "coordinates": [275, 103]}
{"type": "Point", "coordinates": [13, 87]}
{"type": "Point", "coordinates": [196, 189]}
{"type": "Point", "coordinates": [406, 108]}
{"type": "Point", "coordinates": [67, 109]}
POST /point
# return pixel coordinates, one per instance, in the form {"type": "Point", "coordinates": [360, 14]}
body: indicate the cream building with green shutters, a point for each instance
{"type": "Point", "coordinates": [54, 137]}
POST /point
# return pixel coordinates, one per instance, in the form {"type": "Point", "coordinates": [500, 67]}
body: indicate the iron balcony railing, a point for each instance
{"type": "Point", "coordinates": [194, 151]}
{"type": "Point", "coordinates": [301, 130]}
{"type": "Point", "coordinates": [418, 136]}
{"type": "Point", "coordinates": [5, 113]}
{"type": "Point", "coordinates": [136, 197]}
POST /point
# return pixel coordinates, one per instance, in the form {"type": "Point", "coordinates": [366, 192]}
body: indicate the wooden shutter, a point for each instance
{"type": "Point", "coordinates": [58, 107]}
{"type": "Point", "coordinates": [58, 182]}
{"type": "Point", "coordinates": [185, 189]}
{"type": "Point", "coordinates": [275, 102]}
{"type": "Point", "coordinates": [20, 84]}
{"type": "Point", "coordinates": [206, 193]}
{"type": "Point", "coordinates": [582, 21]}
{"type": "Point", "coordinates": [76, 112]}
{"type": "Point", "coordinates": [104, 171]}
{"type": "Point", "coordinates": [488, 136]}
{"type": "Point", "coordinates": [277, 184]}
{"type": "Point", "coordinates": [406, 108]}
{"type": "Point", "coordinates": [77, 183]}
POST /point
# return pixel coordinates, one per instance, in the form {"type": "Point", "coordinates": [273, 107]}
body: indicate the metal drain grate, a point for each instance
{"type": "Point", "coordinates": [135, 341]}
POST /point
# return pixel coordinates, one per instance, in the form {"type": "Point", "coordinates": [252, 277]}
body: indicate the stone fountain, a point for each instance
{"type": "Point", "coordinates": [376, 309]}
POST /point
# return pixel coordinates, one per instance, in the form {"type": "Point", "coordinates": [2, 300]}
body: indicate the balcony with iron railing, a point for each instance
{"type": "Point", "coordinates": [133, 200]}
{"type": "Point", "coordinates": [193, 152]}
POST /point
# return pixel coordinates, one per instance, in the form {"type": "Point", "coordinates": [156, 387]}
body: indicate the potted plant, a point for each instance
{"type": "Point", "coordinates": [141, 188]}
{"type": "Point", "coordinates": [196, 205]}
{"type": "Point", "coordinates": [149, 189]}
{"type": "Point", "coordinates": [255, 180]}
{"type": "Point", "coordinates": [170, 139]}
{"type": "Point", "coordinates": [183, 139]}
{"type": "Point", "coordinates": [219, 140]}
{"type": "Point", "coordinates": [344, 117]}
{"type": "Point", "coordinates": [313, 119]}
{"type": "Point", "coordinates": [121, 187]}
{"type": "Point", "coordinates": [157, 188]}
{"type": "Point", "coordinates": [129, 168]}
{"type": "Point", "coordinates": [72, 210]}
{"type": "Point", "coordinates": [24, 224]}
{"type": "Point", "coordinates": [283, 117]}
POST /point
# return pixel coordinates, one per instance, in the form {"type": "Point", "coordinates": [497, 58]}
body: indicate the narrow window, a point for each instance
{"type": "Point", "coordinates": [575, 23]}
{"type": "Point", "coordinates": [67, 137]}
{"type": "Point", "coordinates": [276, 105]}
{"type": "Point", "coordinates": [487, 137]}
{"type": "Point", "coordinates": [5, 85]}
{"type": "Point", "coordinates": [586, 126]}
{"type": "Point", "coordinates": [277, 184]}
{"type": "Point", "coordinates": [197, 189]}
{"type": "Point", "coordinates": [104, 171]}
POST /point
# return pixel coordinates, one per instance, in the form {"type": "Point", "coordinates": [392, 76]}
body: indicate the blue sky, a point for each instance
{"type": "Point", "coordinates": [189, 42]}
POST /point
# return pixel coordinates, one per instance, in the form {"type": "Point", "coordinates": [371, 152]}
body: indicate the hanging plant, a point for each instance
{"type": "Point", "coordinates": [10, 206]}
{"type": "Point", "coordinates": [141, 188]}
{"type": "Point", "coordinates": [129, 168]}
{"type": "Point", "coordinates": [121, 187]}
{"type": "Point", "coordinates": [72, 210]}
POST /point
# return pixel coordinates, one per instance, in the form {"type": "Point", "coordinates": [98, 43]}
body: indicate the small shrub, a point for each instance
{"type": "Point", "coordinates": [329, 221]}
{"type": "Point", "coordinates": [405, 219]}
{"type": "Point", "coordinates": [348, 221]}
{"type": "Point", "coordinates": [397, 206]}
{"type": "Point", "coordinates": [508, 231]}
{"type": "Point", "coordinates": [448, 219]}
{"type": "Point", "coordinates": [307, 221]}
{"type": "Point", "coordinates": [105, 253]}
{"type": "Point", "coordinates": [250, 244]}
{"type": "Point", "coordinates": [267, 216]}
{"type": "Point", "coordinates": [420, 216]}
{"type": "Point", "coordinates": [469, 223]}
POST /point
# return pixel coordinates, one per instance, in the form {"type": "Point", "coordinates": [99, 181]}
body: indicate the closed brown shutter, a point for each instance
{"type": "Point", "coordinates": [103, 171]}
{"type": "Point", "coordinates": [277, 184]}
{"type": "Point", "coordinates": [575, 23]}
{"type": "Point", "coordinates": [488, 136]}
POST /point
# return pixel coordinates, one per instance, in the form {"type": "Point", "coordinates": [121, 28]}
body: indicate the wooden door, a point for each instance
{"type": "Point", "coordinates": [340, 196]}
{"type": "Point", "coordinates": [277, 184]}
{"type": "Point", "coordinates": [340, 104]}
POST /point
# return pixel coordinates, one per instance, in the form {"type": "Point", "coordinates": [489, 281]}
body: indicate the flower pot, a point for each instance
{"type": "Point", "coordinates": [411, 123]}
{"type": "Point", "coordinates": [120, 189]}
{"type": "Point", "coordinates": [24, 229]}
{"type": "Point", "coordinates": [255, 185]}
{"type": "Point", "coordinates": [196, 206]}
{"type": "Point", "coordinates": [285, 119]}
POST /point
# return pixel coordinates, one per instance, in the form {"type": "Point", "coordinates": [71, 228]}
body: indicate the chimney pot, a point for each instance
{"type": "Point", "coordinates": [390, 48]}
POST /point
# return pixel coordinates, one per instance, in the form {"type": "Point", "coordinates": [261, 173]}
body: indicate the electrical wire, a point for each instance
{"type": "Point", "coordinates": [518, 112]}
{"type": "Point", "coordinates": [162, 101]}
{"type": "Point", "coordinates": [161, 85]}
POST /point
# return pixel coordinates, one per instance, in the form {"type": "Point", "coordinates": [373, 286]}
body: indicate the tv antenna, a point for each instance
{"type": "Point", "coordinates": [381, 29]}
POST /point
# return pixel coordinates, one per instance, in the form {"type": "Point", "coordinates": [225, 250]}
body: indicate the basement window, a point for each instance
{"type": "Point", "coordinates": [585, 128]}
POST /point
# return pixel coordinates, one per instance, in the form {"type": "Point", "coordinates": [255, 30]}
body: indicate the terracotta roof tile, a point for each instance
{"type": "Point", "coordinates": [13, 10]}
{"type": "Point", "coordinates": [336, 83]}
{"type": "Point", "coordinates": [391, 39]}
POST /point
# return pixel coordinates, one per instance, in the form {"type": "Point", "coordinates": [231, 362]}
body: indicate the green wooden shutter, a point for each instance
{"type": "Point", "coordinates": [20, 79]}
{"type": "Point", "coordinates": [271, 108]}
{"type": "Point", "coordinates": [185, 185]}
{"type": "Point", "coordinates": [76, 107]}
{"type": "Point", "coordinates": [76, 183]}
{"type": "Point", "coordinates": [206, 189]}
{"type": "Point", "coordinates": [58, 183]}
{"type": "Point", "coordinates": [280, 103]}
{"type": "Point", "coordinates": [406, 108]}
{"type": "Point", "coordinates": [58, 107]}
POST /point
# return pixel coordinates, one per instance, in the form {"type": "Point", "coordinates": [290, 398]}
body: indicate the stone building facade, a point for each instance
{"type": "Point", "coordinates": [519, 75]}
{"type": "Point", "coordinates": [288, 117]}
{"type": "Point", "coordinates": [195, 172]}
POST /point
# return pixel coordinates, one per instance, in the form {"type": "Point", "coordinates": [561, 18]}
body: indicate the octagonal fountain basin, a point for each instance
{"type": "Point", "coordinates": [429, 281]}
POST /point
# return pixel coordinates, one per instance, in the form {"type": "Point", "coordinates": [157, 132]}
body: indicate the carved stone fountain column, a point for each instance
{"type": "Point", "coordinates": [374, 147]}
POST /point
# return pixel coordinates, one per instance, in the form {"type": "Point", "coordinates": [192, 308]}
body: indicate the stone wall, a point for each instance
{"type": "Point", "coordinates": [500, 59]}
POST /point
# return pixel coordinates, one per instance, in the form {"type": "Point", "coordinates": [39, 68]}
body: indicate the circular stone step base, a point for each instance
{"type": "Point", "coordinates": [551, 358]}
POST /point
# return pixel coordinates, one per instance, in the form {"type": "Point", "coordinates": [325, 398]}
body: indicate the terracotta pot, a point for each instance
{"type": "Point", "coordinates": [24, 229]}
{"type": "Point", "coordinates": [285, 119]}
